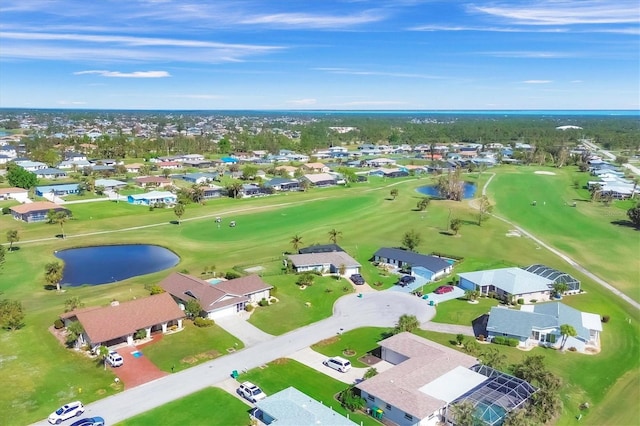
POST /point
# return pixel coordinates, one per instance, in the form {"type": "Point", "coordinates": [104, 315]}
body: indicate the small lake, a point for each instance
{"type": "Point", "coordinates": [468, 190]}
{"type": "Point", "coordinates": [107, 264]}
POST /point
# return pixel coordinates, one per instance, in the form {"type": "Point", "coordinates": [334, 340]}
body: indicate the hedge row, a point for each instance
{"type": "Point", "coordinates": [507, 341]}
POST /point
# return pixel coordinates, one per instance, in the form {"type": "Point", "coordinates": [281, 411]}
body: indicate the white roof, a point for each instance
{"type": "Point", "coordinates": [451, 385]}
{"type": "Point", "coordinates": [591, 321]}
{"type": "Point", "coordinates": [512, 280]}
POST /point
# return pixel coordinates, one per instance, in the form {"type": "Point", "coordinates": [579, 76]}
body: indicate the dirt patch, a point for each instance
{"type": "Point", "coordinates": [329, 341]}
{"type": "Point", "coordinates": [513, 233]}
{"type": "Point", "coordinates": [369, 359]}
{"type": "Point", "coordinates": [189, 360]}
{"type": "Point", "coordinates": [544, 172]}
{"type": "Point", "coordinates": [281, 361]}
{"type": "Point", "coordinates": [348, 352]}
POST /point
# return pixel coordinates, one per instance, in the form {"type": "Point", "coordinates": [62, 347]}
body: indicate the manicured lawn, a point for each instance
{"type": "Point", "coordinates": [360, 341]}
{"type": "Point", "coordinates": [210, 406]}
{"type": "Point", "coordinates": [282, 373]}
{"type": "Point", "coordinates": [460, 311]}
{"type": "Point", "coordinates": [192, 346]}
{"type": "Point", "coordinates": [291, 311]}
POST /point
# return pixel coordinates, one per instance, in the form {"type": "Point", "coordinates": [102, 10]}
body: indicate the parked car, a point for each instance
{"type": "Point", "coordinates": [89, 421]}
{"type": "Point", "coordinates": [338, 363]}
{"type": "Point", "coordinates": [443, 289]}
{"type": "Point", "coordinates": [251, 392]}
{"type": "Point", "coordinates": [357, 279]}
{"type": "Point", "coordinates": [406, 280]}
{"type": "Point", "coordinates": [65, 412]}
{"type": "Point", "coordinates": [114, 359]}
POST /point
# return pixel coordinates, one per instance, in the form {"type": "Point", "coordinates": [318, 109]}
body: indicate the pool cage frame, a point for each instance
{"type": "Point", "coordinates": [494, 398]}
{"type": "Point", "coordinates": [556, 276]}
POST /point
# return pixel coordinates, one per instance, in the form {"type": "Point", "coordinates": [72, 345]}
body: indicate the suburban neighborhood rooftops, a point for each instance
{"type": "Point", "coordinates": [518, 322]}
{"type": "Point", "coordinates": [319, 177]}
{"type": "Point", "coordinates": [335, 258]}
{"type": "Point", "coordinates": [36, 207]}
{"type": "Point", "coordinates": [243, 285]}
{"type": "Point", "coordinates": [186, 287]}
{"type": "Point", "coordinates": [320, 248]}
{"type": "Point", "coordinates": [114, 321]}
{"type": "Point", "coordinates": [109, 183]}
{"type": "Point", "coordinates": [290, 407]}
{"type": "Point", "coordinates": [511, 280]}
{"type": "Point", "coordinates": [153, 179]}
{"type": "Point", "coordinates": [432, 263]}
{"type": "Point", "coordinates": [153, 195]}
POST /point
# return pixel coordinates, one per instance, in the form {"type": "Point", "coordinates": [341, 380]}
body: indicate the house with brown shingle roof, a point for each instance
{"type": "Point", "coordinates": [118, 323]}
{"type": "Point", "coordinates": [428, 377]}
{"type": "Point", "coordinates": [153, 181]}
{"type": "Point", "coordinates": [36, 212]}
{"type": "Point", "coordinates": [224, 298]}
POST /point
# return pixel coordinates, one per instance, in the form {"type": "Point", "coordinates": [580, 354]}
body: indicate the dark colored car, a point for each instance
{"type": "Point", "coordinates": [357, 279]}
{"type": "Point", "coordinates": [443, 289]}
{"type": "Point", "coordinates": [406, 280]}
{"type": "Point", "coordinates": [90, 421]}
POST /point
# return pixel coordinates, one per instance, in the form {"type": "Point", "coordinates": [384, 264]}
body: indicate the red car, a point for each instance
{"type": "Point", "coordinates": [444, 289]}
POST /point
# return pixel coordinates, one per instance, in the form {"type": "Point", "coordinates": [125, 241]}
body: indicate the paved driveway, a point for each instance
{"type": "Point", "coordinates": [239, 327]}
{"type": "Point", "coordinates": [380, 309]}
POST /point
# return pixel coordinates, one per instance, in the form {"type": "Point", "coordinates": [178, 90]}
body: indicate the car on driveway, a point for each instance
{"type": "Point", "coordinates": [65, 412]}
{"type": "Point", "coordinates": [251, 392]}
{"type": "Point", "coordinates": [357, 279]}
{"type": "Point", "coordinates": [406, 280]}
{"type": "Point", "coordinates": [444, 289]}
{"type": "Point", "coordinates": [338, 363]}
{"type": "Point", "coordinates": [114, 359]}
{"type": "Point", "coordinates": [89, 421]}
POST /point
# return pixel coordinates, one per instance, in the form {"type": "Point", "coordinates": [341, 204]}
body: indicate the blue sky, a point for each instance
{"type": "Point", "coordinates": [321, 54]}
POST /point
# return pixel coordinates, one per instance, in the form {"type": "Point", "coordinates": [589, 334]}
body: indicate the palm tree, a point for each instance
{"type": "Point", "coordinates": [197, 193]}
{"type": "Point", "coordinates": [12, 237]}
{"type": "Point", "coordinates": [53, 274]}
{"type": "Point", "coordinates": [463, 413]}
{"type": "Point", "coordinates": [406, 323]}
{"type": "Point", "coordinates": [334, 235]}
{"type": "Point", "coordinates": [179, 211]}
{"type": "Point", "coordinates": [296, 241]}
{"type": "Point", "coordinates": [560, 288]}
{"type": "Point", "coordinates": [103, 352]}
{"type": "Point", "coordinates": [234, 188]}
{"type": "Point", "coordinates": [60, 218]}
{"type": "Point", "coordinates": [566, 330]}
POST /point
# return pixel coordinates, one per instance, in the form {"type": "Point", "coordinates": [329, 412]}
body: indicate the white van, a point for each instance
{"type": "Point", "coordinates": [114, 359]}
{"type": "Point", "coordinates": [338, 363]}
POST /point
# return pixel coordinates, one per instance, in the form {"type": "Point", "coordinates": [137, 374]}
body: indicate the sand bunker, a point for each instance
{"type": "Point", "coordinates": [543, 172]}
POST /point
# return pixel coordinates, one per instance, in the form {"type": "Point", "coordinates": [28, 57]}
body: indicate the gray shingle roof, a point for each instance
{"type": "Point", "coordinates": [432, 263]}
{"type": "Point", "coordinates": [518, 323]}
{"type": "Point", "coordinates": [511, 280]}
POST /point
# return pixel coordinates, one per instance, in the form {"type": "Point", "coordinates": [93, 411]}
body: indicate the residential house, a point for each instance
{"type": "Point", "coordinates": [540, 324]}
{"type": "Point", "coordinates": [199, 178]}
{"type": "Point", "coordinates": [153, 198]}
{"type": "Point", "coordinates": [36, 212]}
{"type": "Point", "coordinates": [253, 190]}
{"type": "Point", "coordinates": [75, 156]}
{"type": "Point", "coordinates": [50, 173]}
{"type": "Point", "coordinates": [198, 164]}
{"type": "Point", "coordinates": [389, 173]}
{"type": "Point", "coordinates": [427, 378]}
{"type": "Point", "coordinates": [508, 284]}
{"type": "Point", "coordinates": [294, 408]}
{"type": "Point", "coordinates": [320, 179]}
{"type": "Point", "coordinates": [430, 268]}
{"type": "Point", "coordinates": [325, 263]}
{"type": "Point", "coordinates": [118, 323]}
{"type": "Point", "coordinates": [192, 157]}
{"type": "Point", "coordinates": [19, 194]}
{"type": "Point", "coordinates": [380, 162]}
{"type": "Point", "coordinates": [290, 170]}
{"type": "Point", "coordinates": [31, 166]}
{"type": "Point", "coordinates": [153, 182]}
{"type": "Point", "coordinates": [573, 284]}
{"type": "Point", "coordinates": [283, 184]}
{"type": "Point", "coordinates": [221, 299]}
{"type": "Point", "coordinates": [320, 248]}
{"type": "Point", "coordinates": [315, 168]}
{"type": "Point", "coordinates": [169, 165]}
{"type": "Point", "coordinates": [133, 168]}
{"type": "Point", "coordinates": [212, 191]}
{"type": "Point", "coordinates": [110, 184]}
{"type": "Point", "coordinates": [74, 164]}
{"type": "Point", "coordinates": [57, 190]}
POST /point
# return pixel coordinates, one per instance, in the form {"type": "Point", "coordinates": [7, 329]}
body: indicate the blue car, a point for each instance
{"type": "Point", "coordinates": [90, 421]}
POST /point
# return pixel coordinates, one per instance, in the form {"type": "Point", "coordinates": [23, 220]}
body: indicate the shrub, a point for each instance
{"type": "Point", "coordinates": [572, 349]}
{"type": "Point", "coordinates": [513, 342]}
{"type": "Point", "coordinates": [140, 334]}
{"type": "Point", "coordinates": [328, 290]}
{"type": "Point", "coordinates": [459, 338]}
{"type": "Point", "coordinates": [520, 301]}
{"type": "Point", "coordinates": [274, 290]}
{"type": "Point", "coordinates": [481, 337]}
{"type": "Point", "coordinates": [263, 302]}
{"type": "Point", "coordinates": [533, 300]}
{"type": "Point", "coordinates": [350, 400]}
{"type": "Point", "coordinates": [499, 340]}
{"type": "Point", "coordinates": [230, 275]}
{"type": "Point", "coordinates": [606, 318]}
{"type": "Point", "coordinates": [370, 373]}
{"type": "Point", "coordinates": [6, 210]}
{"type": "Point", "coordinates": [248, 308]}
{"type": "Point", "coordinates": [493, 295]}
{"type": "Point", "coordinates": [203, 322]}
{"type": "Point", "coordinates": [154, 289]}
{"type": "Point", "coordinates": [506, 341]}
{"type": "Point", "coordinates": [58, 324]}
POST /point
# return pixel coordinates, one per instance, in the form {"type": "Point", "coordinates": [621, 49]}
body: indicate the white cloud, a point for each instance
{"type": "Point", "coordinates": [302, 101]}
{"type": "Point", "coordinates": [530, 54]}
{"type": "Point", "coordinates": [307, 20]}
{"type": "Point", "coordinates": [537, 81]}
{"type": "Point", "coordinates": [134, 74]}
{"type": "Point", "coordinates": [433, 28]}
{"type": "Point", "coordinates": [565, 12]}
{"type": "Point", "coordinates": [375, 73]}
{"type": "Point", "coordinates": [71, 102]}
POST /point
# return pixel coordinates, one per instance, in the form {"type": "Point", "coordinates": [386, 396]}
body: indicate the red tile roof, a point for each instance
{"type": "Point", "coordinates": [112, 322]}
{"type": "Point", "coordinates": [210, 297]}
{"type": "Point", "coordinates": [12, 191]}
{"type": "Point", "coordinates": [36, 207]}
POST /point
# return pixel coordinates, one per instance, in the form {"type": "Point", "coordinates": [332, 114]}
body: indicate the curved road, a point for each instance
{"type": "Point", "coordinates": [372, 309]}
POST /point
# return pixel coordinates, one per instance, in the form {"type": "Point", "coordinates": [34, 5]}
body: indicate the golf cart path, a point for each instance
{"type": "Point", "coordinates": [350, 312]}
{"type": "Point", "coordinates": [473, 203]}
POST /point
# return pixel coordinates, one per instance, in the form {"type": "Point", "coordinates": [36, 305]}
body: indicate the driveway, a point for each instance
{"type": "Point", "coordinates": [439, 298]}
{"type": "Point", "coordinates": [380, 309]}
{"type": "Point", "coordinates": [136, 371]}
{"type": "Point", "coordinates": [239, 327]}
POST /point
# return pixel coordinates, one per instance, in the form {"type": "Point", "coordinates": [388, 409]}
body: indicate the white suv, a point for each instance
{"type": "Point", "coordinates": [251, 392]}
{"type": "Point", "coordinates": [66, 412]}
{"type": "Point", "coordinates": [114, 359]}
{"type": "Point", "coordinates": [338, 363]}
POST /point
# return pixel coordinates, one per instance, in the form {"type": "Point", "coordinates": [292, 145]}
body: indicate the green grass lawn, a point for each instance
{"type": "Point", "coordinates": [358, 341]}
{"type": "Point", "coordinates": [368, 220]}
{"type": "Point", "coordinates": [460, 311]}
{"type": "Point", "coordinates": [210, 406]}
{"type": "Point", "coordinates": [291, 311]}
{"type": "Point", "coordinates": [192, 346]}
{"type": "Point", "coordinates": [282, 373]}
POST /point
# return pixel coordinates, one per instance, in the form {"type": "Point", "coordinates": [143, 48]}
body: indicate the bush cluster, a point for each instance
{"type": "Point", "coordinates": [203, 322]}
{"type": "Point", "coordinates": [263, 302]}
{"type": "Point", "coordinates": [231, 275]}
{"type": "Point", "coordinates": [506, 341]}
{"type": "Point", "coordinates": [520, 301]}
{"type": "Point", "coordinates": [248, 308]}
{"type": "Point", "coordinates": [58, 324]}
{"type": "Point", "coordinates": [606, 318]}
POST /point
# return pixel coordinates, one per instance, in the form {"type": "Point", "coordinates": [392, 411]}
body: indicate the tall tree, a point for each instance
{"type": "Point", "coordinates": [455, 225]}
{"type": "Point", "coordinates": [103, 352]}
{"type": "Point", "coordinates": [334, 234]}
{"type": "Point", "coordinates": [53, 274]}
{"type": "Point", "coordinates": [17, 176]}
{"type": "Point", "coordinates": [234, 188]}
{"type": "Point", "coordinates": [493, 358]}
{"type": "Point", "coordinates": [72, 304]}
{"type": "Point", "coordinates": [406, 323]}
{"type": "Point", "coordinates": [634, 215]}
{"type": "Point", "coordinates": [12, 237]}
{"type": "Point", "coordinates": [178, 210]}
{"type": "Point", "coordinates": [394, 193]}
{"type": "Point", "coordinates": [567, 331]}
{"type": "Point", "coordinates": [296, 241]}
{"type": "Point", "coordinates": [463, 413]}
{"type": "Point", "coordinates": [423, 203]}
{"type": "Point", "coordinates": [411, 239]}
{"type": "Point", "coordinates": [59, 217]}
{"type": "Point", "coordinates": [484, 209]}
{"type": "Point", "coordinates": [451, 185]}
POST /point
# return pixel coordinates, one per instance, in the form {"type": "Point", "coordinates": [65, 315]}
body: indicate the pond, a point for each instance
{"type": "Point", "coordinates": [468, 190]}
{"type": "Point", "coordinates": [107, 264]}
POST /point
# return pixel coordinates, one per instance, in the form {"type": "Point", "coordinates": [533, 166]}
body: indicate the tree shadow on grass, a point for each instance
{"type": "Point", "coordinates": [625, 223]}
{"type": "Point", "coordinates": [449, 233]}
{"type": "Point", "coordinates": [174, 222]}
{"type": "Point", "coordinates": [50, 287]}
{"type": "Point", "coordinates": [12, 249]}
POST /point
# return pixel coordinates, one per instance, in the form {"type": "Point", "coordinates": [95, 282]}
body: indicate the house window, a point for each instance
{"type": "Point", "coordinates": [388, 407]}
{"type": "Point", "coordinates": [371, 397]}
{"type": "Point", "coordinates": [408, 416]}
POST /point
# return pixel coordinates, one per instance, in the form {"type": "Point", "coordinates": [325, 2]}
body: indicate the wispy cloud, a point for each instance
{"type": "Point", "coordinates": [564, 12]}
{"type": "Point", "coordinates": [199, 96]}
{"type": "Point", "coordinates": [309, 101]}
{"type": "Point", "coordinates": [375, 73]}
{"type": "Point", "coordinates": [530, 54]}
{"type": "Point", "coordinates": [316, 21]}
{"type": "Point", "coordinates": [118, 74]}
{"type": "Point", "coordinates": [63, 102]}
{"type": "Point", "coordinates": [433, 28]}
{"type": "Point", "coordinates": [537, 81]}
